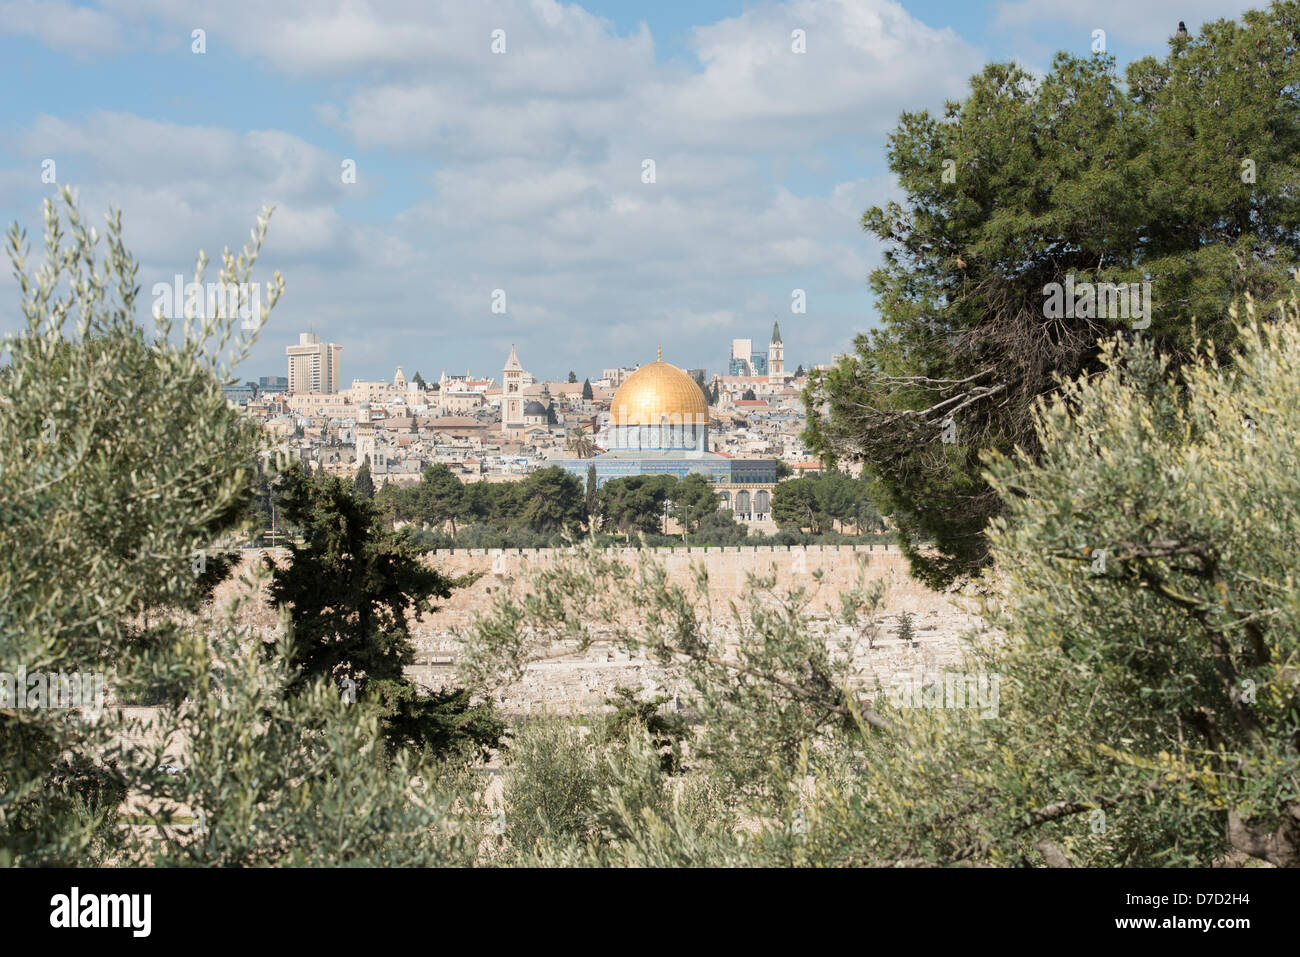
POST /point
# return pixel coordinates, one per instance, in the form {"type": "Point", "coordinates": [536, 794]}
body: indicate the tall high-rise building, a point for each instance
{"type": "Point", "coordinates": [776, 357]}
{"type": "Point", "coordinates": [742, 355]}
{"type": "Point", "coordinates": [314, 366]}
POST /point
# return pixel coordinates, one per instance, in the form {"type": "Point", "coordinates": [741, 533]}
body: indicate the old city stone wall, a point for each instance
{"type": "Point", "coordinates": [728, 567]}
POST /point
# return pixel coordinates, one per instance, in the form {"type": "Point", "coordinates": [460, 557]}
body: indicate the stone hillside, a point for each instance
{"type": "Point", "coordinates": [580, 683]}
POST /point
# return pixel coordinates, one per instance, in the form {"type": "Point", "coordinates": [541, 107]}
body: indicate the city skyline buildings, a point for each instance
{"type": "Point", "coordinates": [745, 360]}
{"type": "Point", "coordinates": [311, 363]}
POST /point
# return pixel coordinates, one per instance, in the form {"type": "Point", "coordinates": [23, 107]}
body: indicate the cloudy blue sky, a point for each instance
{"type": "Point", "coordinates": [518, 171]}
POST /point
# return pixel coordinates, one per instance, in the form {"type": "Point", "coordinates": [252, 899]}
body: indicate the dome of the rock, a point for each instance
{"type": "Point", "coordinates": [659, 393]}
{"type": "Point", "coordinates": [658, 424]}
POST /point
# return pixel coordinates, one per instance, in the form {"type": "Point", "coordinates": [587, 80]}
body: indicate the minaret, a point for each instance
{"type": "Point", "coordinates": [512, 393]}
{"type": "Point", "coordinates": [776, 357]}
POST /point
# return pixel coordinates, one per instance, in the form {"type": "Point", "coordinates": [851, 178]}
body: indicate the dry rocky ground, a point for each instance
{"type": "Point", "coordinates": [580, 682]}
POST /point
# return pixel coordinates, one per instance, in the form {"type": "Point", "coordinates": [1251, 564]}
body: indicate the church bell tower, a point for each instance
{"type": "Point", "coordinates": [776, 357]}
{"type": "Point", "coordinates": [512, 394]}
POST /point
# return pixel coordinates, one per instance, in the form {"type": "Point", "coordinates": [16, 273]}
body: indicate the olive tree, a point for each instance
{"type": "Point", "coordinates": [122, 465]}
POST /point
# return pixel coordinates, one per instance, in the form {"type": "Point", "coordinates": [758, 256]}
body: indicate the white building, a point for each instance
{"type": "Point", "coordinates": [314, 366]}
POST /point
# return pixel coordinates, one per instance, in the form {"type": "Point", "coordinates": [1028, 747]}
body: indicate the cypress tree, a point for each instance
{"type": "Point", "coordinates": [363, 484]}
{"type": "Point", "coordinates": [591, 494]}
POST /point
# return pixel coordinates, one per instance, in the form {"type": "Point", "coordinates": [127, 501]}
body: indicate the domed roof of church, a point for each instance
{"type": "Point", "coordinates": [656, 392]}
{"type": "Point", "coordinates": [534, 408]}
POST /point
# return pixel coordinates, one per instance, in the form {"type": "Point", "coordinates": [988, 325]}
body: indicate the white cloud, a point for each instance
{"type": "Point", "coordinates": [62, 26]}
{"type": "Point", "coordinates": [421, 75]}
{"type": "Point", "coordinates": [537, 186]}
{"type": "Point", "coordinates": [866, 60]}
{"type": "Point", "coordinates": [185, 186]}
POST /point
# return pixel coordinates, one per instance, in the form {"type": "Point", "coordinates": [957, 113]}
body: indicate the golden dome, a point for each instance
{"type": "Point", "coordinates": [658, 392]}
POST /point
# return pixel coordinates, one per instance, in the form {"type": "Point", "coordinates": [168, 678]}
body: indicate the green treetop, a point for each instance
{"type": "Point", "coordinates": [1182, 177]}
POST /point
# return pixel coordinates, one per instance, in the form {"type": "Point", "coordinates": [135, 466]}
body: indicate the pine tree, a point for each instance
{"type": "Point", "coordinates": [351, 588]}
{"type": "Point", "coordinates": [905, 631]}
{"type": "Point", "coordinates": [972, 313]}
{"type": "Point", "coordinates": [587, 392]}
